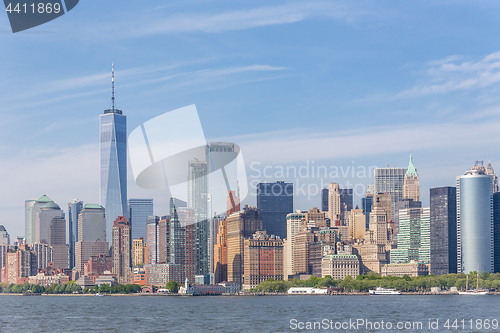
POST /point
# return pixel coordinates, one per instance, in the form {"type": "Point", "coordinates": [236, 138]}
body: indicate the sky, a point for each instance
{"type": "Point", "coordinates": [342, 85]}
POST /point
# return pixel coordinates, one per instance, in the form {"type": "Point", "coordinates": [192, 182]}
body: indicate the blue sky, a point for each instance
{"type": "Point", "coordinates": [358, 83]}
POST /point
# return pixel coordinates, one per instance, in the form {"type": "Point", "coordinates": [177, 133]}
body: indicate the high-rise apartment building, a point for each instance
{"type": "Point", "coordinates": [411, 185]}
{"type": "Point", "coordinates": [152, 239]}
{"type": "Point", "coordinates": [275, 201]}
{"type": "Point", "coordinates": [390, 181]}
{"type": "Point", "coordinates": [475, 248]}
{"type": "Point", "coordinates": [198, 201]}
{"type": "Point", "coordinates": [44, 255]}
{"type": "Point", "coordinates": [356, 224]}
{"type": "Point", "coordinates": [443, 230]}
{"type": "Point", "coordinates": [240, 225]}
{"type": "Point", "coordinates": [177, 232]}
{"type": "Point", "coordinates": [138, 212]}
{"type": "Point", "coordinates": [187, 222]}
{"type": "Point", "coordinates": [20, 264]}
{"type": "Point", "coordinates": [4, 236]}
{"type": "Point", "coordinates": [91, 235]}
{"type": "Point", "coordinates": [113, 162]}
{"type": "Point", "coordinates": [294, 224]}
{"type": "Point", "coordinates": [57, 240]}
{"type": "Point", "coordinates": [139, 252]}
{"type": "Point", "coordinates": [121, 250]}
{"type": "Point", "coordinates": [74, 209]}
{"type": "Point", "coordinates": [263, 259]}
{"type": "Point", "coordinates": [163, 242]}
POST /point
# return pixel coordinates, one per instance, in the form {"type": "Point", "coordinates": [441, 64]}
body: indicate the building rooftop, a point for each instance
{"type": "Point", "coordinates": [44, 198]}
{"type": "Point", "coordinates": [92, 206]}
{"type": "Point", "coordinates": [411, 169]}
{"type": "Point", "coordinates": [51, 205]}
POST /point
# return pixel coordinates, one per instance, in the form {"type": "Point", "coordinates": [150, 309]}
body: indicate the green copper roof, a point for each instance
{"type": "Point", "coordinates": [44, 198]}
{"type": "Point", "coordinates": [411, 169]}
{"type": "Point", "coordinates": [92, 206]}
{"type": "Point", "coordinates": [51, 205]}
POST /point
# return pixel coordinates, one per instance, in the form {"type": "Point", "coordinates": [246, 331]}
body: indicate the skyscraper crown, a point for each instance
{"type": "Point", "coordinates": [411, 169]}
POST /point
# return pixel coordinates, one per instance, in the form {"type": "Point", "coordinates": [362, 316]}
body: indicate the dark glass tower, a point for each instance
{"type": "Point", "coordinates": [443, 220]}
{"type": "Point", "coordinates": [275, 201]}
{"type": "Point", "coordinates": [366, 204]}
{"type": "Point", "coordinates": [113, 161]}
{"type": "Point", "coordinates": [496, 232]}
{"type": "Point", "coordinates": [324, 200]}
{"type": "Point", "coordinates": [74, 208]}
{"type": "Point", "coordinates": [139, 210]}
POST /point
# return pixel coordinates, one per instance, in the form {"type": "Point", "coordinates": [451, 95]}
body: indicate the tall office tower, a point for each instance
{"type": "Point", "coordinates": [334, 204]}
{"type": "Point", "coordinates": [138, 212]}
{"type": "Point", "coordinates": [139, 252]}
{"type": "Point", "coordinates": [414, 236]}
{"type": "Point", "coordinates": [491, 172]}
{"type": "Point", "coordinates": [496, 232]}
{"type": "Point", "coordinates": [220, 253]}
{"type": "Point", "coordinates": [113, 161]}
{"type": "Point", "coordinates": [390, 181]}
{"type": "Point", "coordinates": [187, 221]}
{"type": "Point", "coordinates": [411, 185]}
{"type": "Point", "coordinates": [222, 174]}
{"type": "Point", "coordinates": [32, 207]}
{"type": "Point", "coordinates": [240, 225]}
{"type": "Point", "coordinates": [163, 242]}
{"type": "Point", "coordinates": [232, 203]}
{"type": "Point", "coordinates": [121, 250]}
{"type": "Point", "coordinates": [275, 201]}
{"type": "Point", "coordinates": [345, 204]}
{"type": "Point", "coordinates": [4, 236]}
{"type": "Point", "coordinates": [443, 230]}
{"type": "Point", "coordinates": [294, 224]}
{"type": "Point", "coordinates": [177, 236]}
{"type": "Point", "coordinates": [324, 200]}
{"type": "Point", "coordinates": [403, 204]}
{"type": "Point", "coordinates": [152, 239]}
{"type": "Point", "coordinates": [475, 221]}
{"type": "Point", "coordinates": [91, 235]}
{"type": "Point", "coordinates": [198, 200]}
{"type": "Point", "coordinates": [366, 204]}
{"type": "Point", "coordinates": [310, 246]}
{"type": "Point", "coordinates": [43, 219]}
{"type": "Point", "coordinates": [57, 240]}
{"type": "Point", "coordinates": [378, 222]}
{"type": "Point", "coordinates": [357, 222]}
{"type": "Point", "coordinates": [263, 259]}
{"type": "Point", "coordinates": [74, 209]}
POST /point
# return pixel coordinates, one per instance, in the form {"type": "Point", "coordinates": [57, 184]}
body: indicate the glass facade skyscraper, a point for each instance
{"type": "Point", "coordinates": [443, 230]}
{"type": "Point", "coordinates": [475, 221]}
{"type": "Point", "coordinates": [496, 231]}
{"type": "Point", "coordinates": [324, 200]}
{"type": "Point", "coordinates": [366, 204]}
{"type": "Point", "coordinates": [275, 202]}
{"type": "Point", "coordinates": [113, 161]}
{"type": "Point", "coordinates": [138, 212]}
{"type": "Point", "coordinates": [74, 209]}
{"type": "Point", "coordinates": [391, 181]}
{"type": "Point", "coordinates": [414, 236]}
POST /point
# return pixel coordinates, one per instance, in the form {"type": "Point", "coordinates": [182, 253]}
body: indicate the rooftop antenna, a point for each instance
{"type": "Point", "coordinates": [112, 86]}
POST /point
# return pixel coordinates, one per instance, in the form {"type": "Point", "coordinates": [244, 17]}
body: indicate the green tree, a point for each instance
{"type": "Point", "coordinates": [172, 286]}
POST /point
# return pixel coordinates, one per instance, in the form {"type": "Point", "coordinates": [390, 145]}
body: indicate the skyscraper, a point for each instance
{"type": "Point", "coordinates": [113, 161]}
{"type": "Point", "coordinates": [414, 236]}
{"type": "Point", "coordinates": [411, 185]}
{"type": "Point", "coordinates": [390, 181]}
{"type": "Point", "coordinates": [496, 231]}
{"type": "Point", "coordinates": [324, 200]}
{"type": "Point", "coordinates": [32, 207]}
{"type": "Point", "coordinates": [177, 236]}
{"type": "Point", "coordinates": [475, 221]}
{"type": "Point", "coordinates": [494, 180]}
{"type": "Point", "coordinates": [152, 239]}
{"type": "Point", "coordinates": [138, 212]}
{"type": "Point", "coordinates": [74, 209]}
{"type": "Point", "coordinates": [121, 250]}
{"type": "Point", "coordinates": [443, 230]}
{"type": "Point", "coordinates": [4, 236]}
{"type": "Point", "coordinates": [57, 239]}
{"type": "Point", "coordinates": [345, 204]}
{"type": "Point", "coordinates": [198, 200]}
{"type": "Point", "coordinates": [294, 222]}
{"type": "Point", "coordinates": [275, 202]}
{"type": "Point", "coordinates": [366, 204]}
{"type": "Point", "coordinates": [334, 204]}
{"type": "Point", "coordinates": [47, 213]}
{"type": "Point", "coordinates": [357, 224]}
{"type": "Point", "coordinates": [91, 235]}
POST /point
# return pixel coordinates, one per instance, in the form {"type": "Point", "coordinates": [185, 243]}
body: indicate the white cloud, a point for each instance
{"type": "Point", "coordinates": [453, 73]}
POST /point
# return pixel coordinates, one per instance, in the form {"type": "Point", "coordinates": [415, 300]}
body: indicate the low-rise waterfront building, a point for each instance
{"type": "Point", "coordinates": [412, 269]}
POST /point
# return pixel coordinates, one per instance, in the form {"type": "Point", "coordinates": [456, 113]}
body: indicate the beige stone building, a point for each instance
{"type": "Point", "coordinates": [357, 224]}
{"type": "Point", "coordinates": [338, 266]}
{"type": "Point", "coordinates": [412, 269]}
{"type": "Point", "coordinates": [334, 208]}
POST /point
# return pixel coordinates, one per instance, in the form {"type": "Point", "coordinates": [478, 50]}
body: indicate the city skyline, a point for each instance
{"type": "Point", "coordinates": [430, 98]}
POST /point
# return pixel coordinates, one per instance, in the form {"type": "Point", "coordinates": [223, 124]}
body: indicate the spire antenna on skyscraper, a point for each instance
{"type": "Point", "coordinates": [112, 86]}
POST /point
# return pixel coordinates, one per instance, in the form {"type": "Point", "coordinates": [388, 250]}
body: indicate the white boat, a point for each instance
{"type": "Point", "coordinates": [477, 291]}
{"type": "Point", "coordinates": [384, 291]}
{"type": "Point", "coordinates": [99, 295]}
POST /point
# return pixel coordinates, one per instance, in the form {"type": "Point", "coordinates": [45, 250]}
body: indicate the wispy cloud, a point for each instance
{"type": "Point", "coordinates": [454, 73]}
{"type": "Point", "coordinates": [244, 19]}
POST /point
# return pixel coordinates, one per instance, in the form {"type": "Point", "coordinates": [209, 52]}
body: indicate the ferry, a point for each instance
{"type": "Point", "coordinates": [383, 291]}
